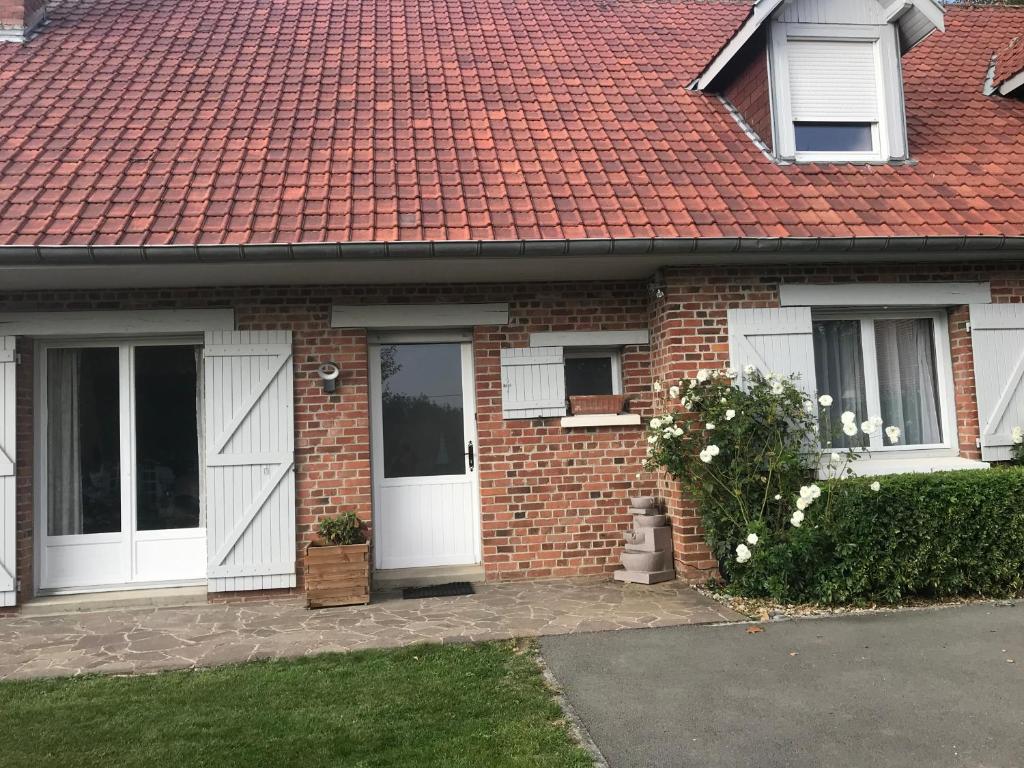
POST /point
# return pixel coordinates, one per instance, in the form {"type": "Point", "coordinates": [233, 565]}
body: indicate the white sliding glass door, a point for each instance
{"type": "Point", "coordinates": [119, 475]}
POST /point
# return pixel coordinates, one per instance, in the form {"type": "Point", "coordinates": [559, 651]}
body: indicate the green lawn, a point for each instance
{"type": "Point", "coordinates": [483, 706]}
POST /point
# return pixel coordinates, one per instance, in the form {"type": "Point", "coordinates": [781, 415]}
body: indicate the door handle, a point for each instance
{"type": "Point", "coordinates": [472, 456]}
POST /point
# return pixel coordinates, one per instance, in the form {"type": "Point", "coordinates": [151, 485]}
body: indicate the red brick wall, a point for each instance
{"type": "Point", "coordinates": [553, 500]}
{"type": "Point", "coordinates": [747, 89]}
{"type": "Point", "coordinates": [21, 14]}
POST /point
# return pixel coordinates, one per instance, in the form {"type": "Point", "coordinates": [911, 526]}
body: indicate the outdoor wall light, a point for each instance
{"type": "Point", "coordinates": [329, 374]}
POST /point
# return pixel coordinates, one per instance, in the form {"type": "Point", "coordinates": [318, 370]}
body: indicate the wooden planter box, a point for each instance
{"type": "Point", "coordinates": [337, 575]}
{"type": "Point", "coordinates": [590, 405]}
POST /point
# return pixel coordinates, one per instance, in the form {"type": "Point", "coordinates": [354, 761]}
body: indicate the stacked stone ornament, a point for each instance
{"type": "Point", "coordinates": [647, 558]}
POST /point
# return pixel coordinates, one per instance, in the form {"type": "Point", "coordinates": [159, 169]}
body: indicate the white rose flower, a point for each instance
{"type": "Point", "coordinates": [876, 486]}
{"type": "Point", "coordinates": [742, 553]}
{"type": "Point", "coordinates": [668, 418]}
{"type": "Point", "coordinates": [836, 458]}
{"type": "Point", "coordinates": [778, 497]}
{"type": "Point", "coordinates": [893, 433]}
{"type": "Point", "coordinates": [806, 493]}
{"type": "Point", "coordinates": [878, 421]}
{"type": "Point", "coordinates": [849, 429]}
{"type": "Point", "coordinates": [656, 386]}
{"type": "Point", "coordinates": [802, 504]}
{"type": "Point", "coordinates": [714, 450]}
{"type": "Point", "coordinates": [722, 401]}
{"type": "Point", "coordinates": [815, 491]}
{"type": "Point", "coordinates": [868, 427]}
{"type": "Point", "coordinates": [826, 401]}
{"type": "Point", "coordinates": [709, 427]}
{"type": "Point", "coordinates": [752, 539]}
{"type": "Point", "coordinates": [730, 415]}
{"type": "Point", "coordinates": [673, 391]}
{"type": "Point", "coordinates": [778, 388]}
{"type": "Point", "coordinates": [750, 370]}
{"type": "Point", "coordinates": [705, 456]}
{"type": "Point", "coordinates": [1017, 435]}
{"type": "Point", "coordinates": [796, 519]}
{"type": "Point", "coordinates": [655, 423]}
{"type": "Point", "coordinates": [677, 431]}
{"type": "Point", "coordinates": [731, 373]}
{"type": "Point", "coordinates": [848, 417]}
{"type": "Point", "coordinates": [652, 439]}
{"type": "Point", "coordinates": [686, 403]}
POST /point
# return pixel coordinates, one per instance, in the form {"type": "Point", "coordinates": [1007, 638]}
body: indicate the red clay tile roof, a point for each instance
{"type": "Point", "coordinates": [1009, 61]}
{"type": "Point", "coordinates": [247, 121]}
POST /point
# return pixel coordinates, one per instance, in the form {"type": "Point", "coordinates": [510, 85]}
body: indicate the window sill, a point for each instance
{"type": "Point", "coordinates": [602, 420]}
{"type": "Point", "coordinates": [919, 464]}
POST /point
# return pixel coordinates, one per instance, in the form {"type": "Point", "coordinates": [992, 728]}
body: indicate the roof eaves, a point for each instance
{"type": "Point", "coordinates": [922, 247]}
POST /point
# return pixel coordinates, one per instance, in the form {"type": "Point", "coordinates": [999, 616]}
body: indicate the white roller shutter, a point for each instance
{"type": "Point", "coordinates": [532, 382]}
{"type": "Point", "coordinates": [833, 81]}
{"type": "Point", "coordinates": [250, 466]}
{"type": "Point", "coordinates": [8, 571]}
{"type": "Point", "coordinates": [775, 341]}
{"type": "Point", "coordinates": [997, 332]}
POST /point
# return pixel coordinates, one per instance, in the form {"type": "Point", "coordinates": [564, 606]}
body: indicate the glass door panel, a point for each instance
{"type": "Point", "coordinates": [83, 483]}
{"type": "Point", "coordinates": [166, 438]}
{"type": "Point", "coordinates": [422, 410]}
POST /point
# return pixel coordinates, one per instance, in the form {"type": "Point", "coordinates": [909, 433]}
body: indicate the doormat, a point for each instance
{"type": "Point", "coordinates": [454, 589]}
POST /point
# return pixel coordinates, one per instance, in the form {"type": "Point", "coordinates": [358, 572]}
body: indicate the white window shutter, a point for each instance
{"type": "Point", "coordinates": [250, 465]}
{"type": "Point", "coordinates": [997, 337]}
{"type": "Point", "coordinates": [532, 382]}
{"type": "Point", "coordinates": [775, 341]}
{"type": "Point", "coordinates": [8, 570]}
{"type": "Point", "coordinates": [833, 81]}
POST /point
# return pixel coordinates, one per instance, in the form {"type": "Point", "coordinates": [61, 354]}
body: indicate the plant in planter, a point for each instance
{"type": "Point", "coordinates": [587, 405]}
{"type": "Point", "coordinates": [338, 565]}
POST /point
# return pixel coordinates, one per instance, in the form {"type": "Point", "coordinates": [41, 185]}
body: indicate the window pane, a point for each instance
{"type": "Point", "coordinates": [166, 438]}
{"type": "Point", "coordinates": [908, 379]}
{"type": "Point", "coordinates": [83, 441]}
{"type": "Point", "coordinates": [422, 409]}
{"type": "Point", "coordinates": [839, 369]}
{"type": "Point", "coordinates": [589, 376]}
{"type": "Point", "coordinates": [834, 137]}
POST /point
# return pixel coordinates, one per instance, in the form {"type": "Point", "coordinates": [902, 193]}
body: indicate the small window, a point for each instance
{"type": "Point", "coordinates": [888, 366]}
{"type": "Point", "coordinates": [834, 137]}
{"type": "Point", "coordinates": [592, 372]}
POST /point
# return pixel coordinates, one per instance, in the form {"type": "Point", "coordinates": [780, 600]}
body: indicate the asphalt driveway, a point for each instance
{"type": "Point", "coordinates": [916, 688]}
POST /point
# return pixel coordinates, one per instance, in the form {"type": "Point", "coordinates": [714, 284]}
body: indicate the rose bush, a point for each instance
{"type": "Point", "coordinates": [751, 457]}
{"type": "Point", "coordinates": [786, 519]}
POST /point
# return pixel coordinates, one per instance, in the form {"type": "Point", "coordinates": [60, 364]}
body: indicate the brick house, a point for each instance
{"type": "Point", "coordinates": [263, 260]}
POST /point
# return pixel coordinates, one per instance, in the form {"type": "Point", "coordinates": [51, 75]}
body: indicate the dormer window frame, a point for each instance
{"type": "Point", "coordinates": [889, 137]}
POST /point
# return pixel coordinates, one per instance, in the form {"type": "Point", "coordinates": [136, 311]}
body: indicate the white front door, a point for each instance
{"type": "Point", "coordinates": [118, 476]}
{"type": "Point", "coordinates": [425, 492]}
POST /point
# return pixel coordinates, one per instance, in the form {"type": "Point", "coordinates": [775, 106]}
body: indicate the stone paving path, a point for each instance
{"type": "Point", "coordinates": [148, 640]}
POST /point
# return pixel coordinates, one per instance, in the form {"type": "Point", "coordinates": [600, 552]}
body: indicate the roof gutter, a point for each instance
{"type": "Point", "coordinates": [677, 250]}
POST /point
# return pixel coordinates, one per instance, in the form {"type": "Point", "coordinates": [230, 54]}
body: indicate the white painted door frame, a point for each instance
{"type": "Point", "coordinates": [129, 547]}
{"type": "Point", "coordinates": [474, 554]}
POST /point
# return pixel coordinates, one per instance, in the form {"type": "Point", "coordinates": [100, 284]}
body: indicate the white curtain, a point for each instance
{"type": "Point", "coordinates": [63, 442]}
{"type": "Point", "coordinates": [908, 379]}
{"type": "Point", "coordinates": [839, 368]}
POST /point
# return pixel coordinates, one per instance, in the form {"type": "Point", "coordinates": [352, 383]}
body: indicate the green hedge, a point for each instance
{"type": "Point", "coordinates": [934, 535]}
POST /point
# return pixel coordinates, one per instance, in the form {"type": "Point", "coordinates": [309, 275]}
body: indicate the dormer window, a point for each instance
{"type": "Point", "coordinates": [814, 81]}
{"type": "Point", "coordinates": [837, 92]}
{"type": "Point", "coordinates": [834, 98]}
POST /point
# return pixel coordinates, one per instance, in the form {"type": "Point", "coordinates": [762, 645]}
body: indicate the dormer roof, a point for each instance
{"type": "Point", "coordinates": [1008, 70]}
{"type": "Point", "coordinates": [915, 19]}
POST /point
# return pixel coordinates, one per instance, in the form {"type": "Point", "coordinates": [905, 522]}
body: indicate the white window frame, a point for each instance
{"type": "Point", "coordinates": [888, 134]}
{"type": "Point", "coordinates": [943, 360]}
{"type": "Point", "coordinates": [570, 353]}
